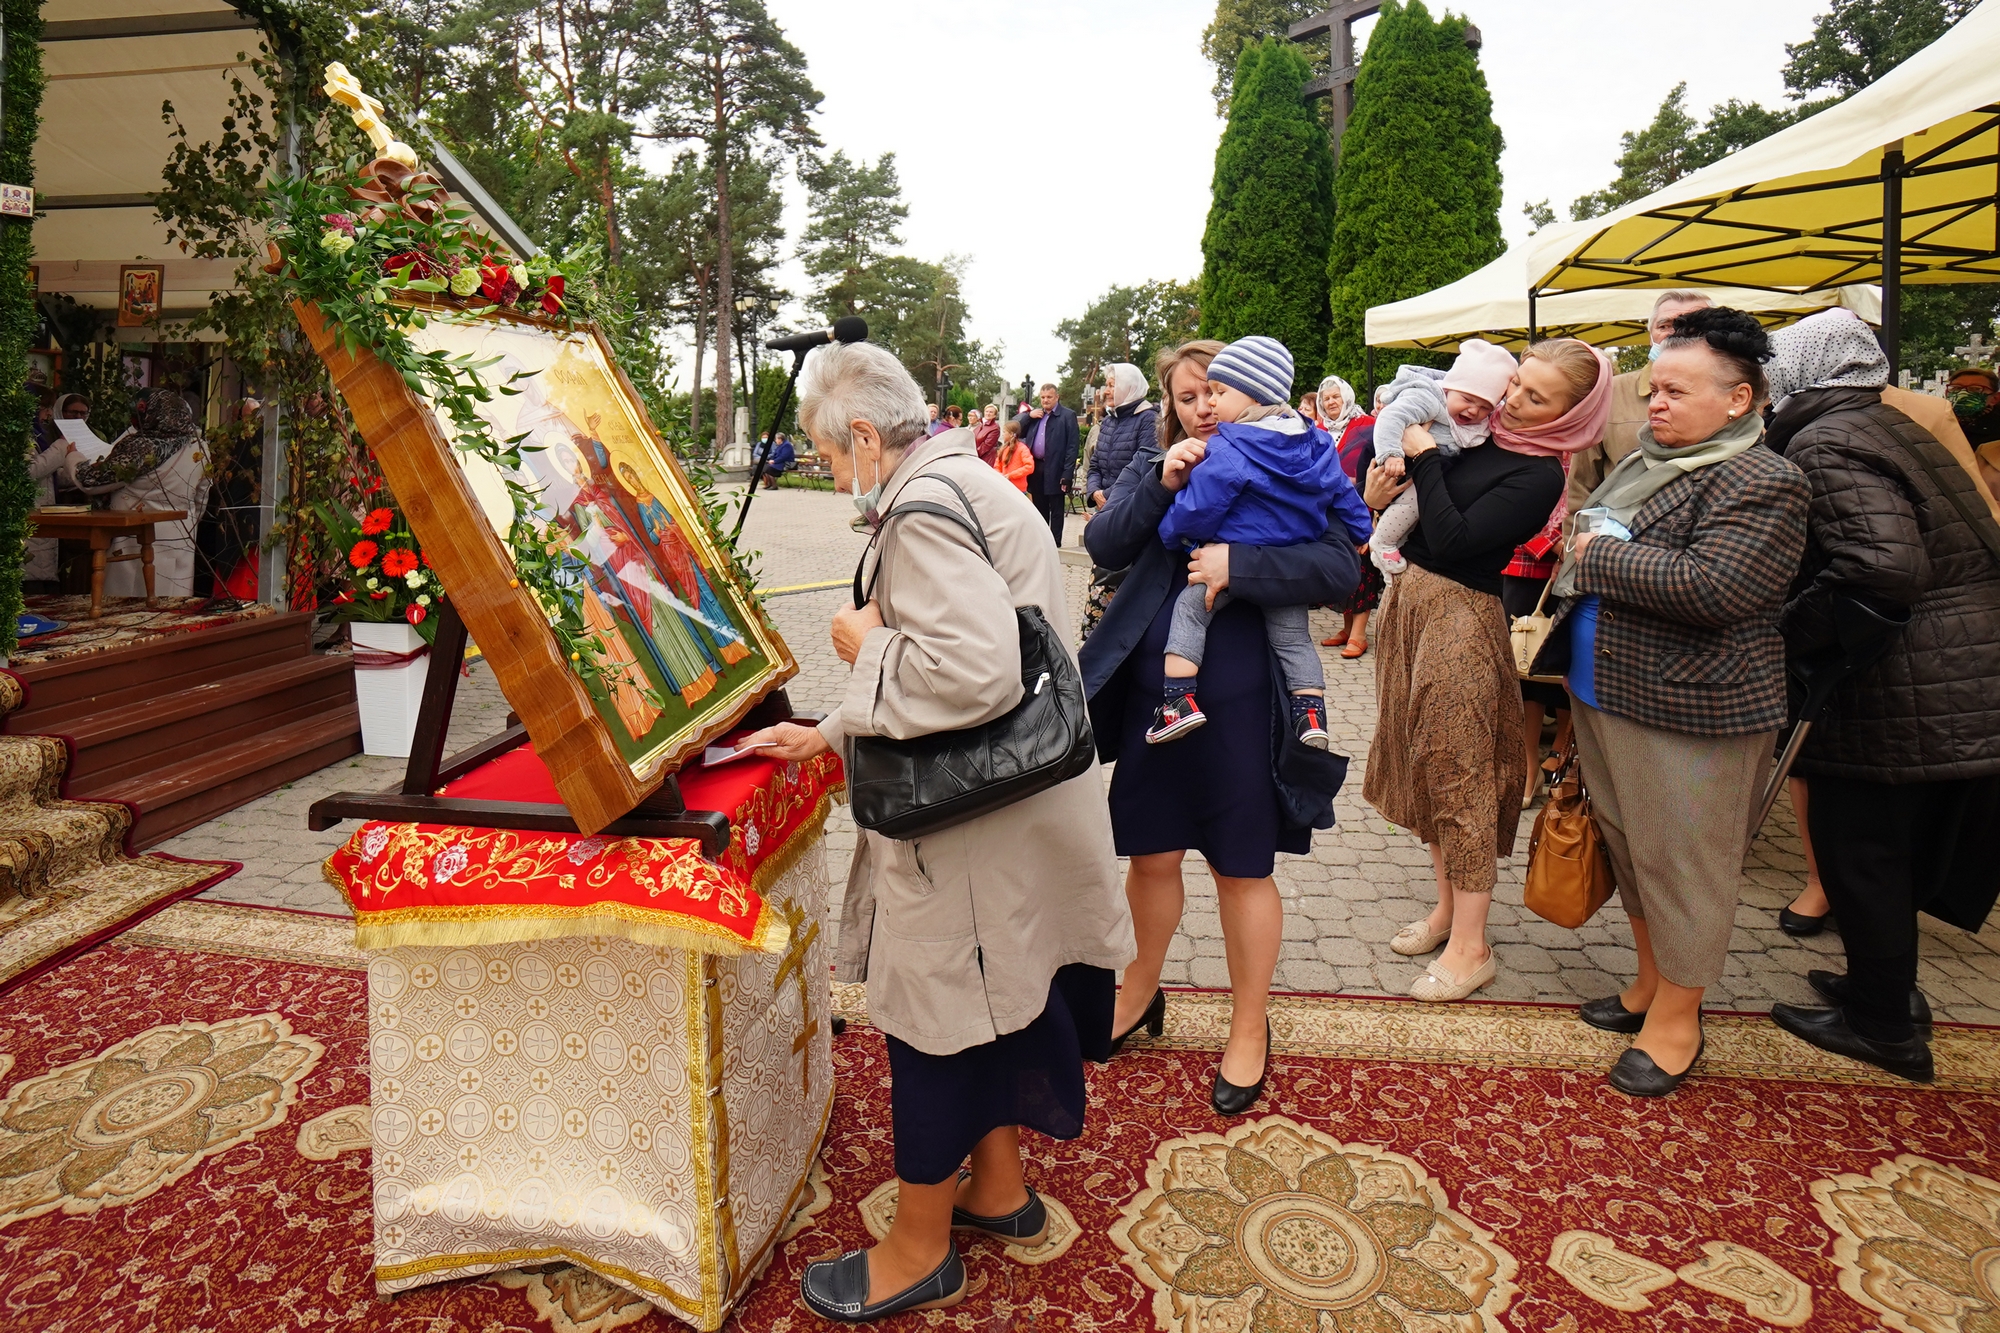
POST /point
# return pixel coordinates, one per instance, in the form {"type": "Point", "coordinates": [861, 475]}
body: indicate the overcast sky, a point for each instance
{"type": "Point", "coordinates": [1064, 147]}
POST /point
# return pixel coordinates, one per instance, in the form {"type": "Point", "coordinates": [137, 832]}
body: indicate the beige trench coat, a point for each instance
{"type": "Point", "coordinates": [958, 935]}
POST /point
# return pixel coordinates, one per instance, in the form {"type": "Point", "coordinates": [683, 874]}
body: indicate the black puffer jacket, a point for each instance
{"type": "Point", "coordinates": [1125, 432]}
{"type": "Point", "coordinates": [1897, 523]}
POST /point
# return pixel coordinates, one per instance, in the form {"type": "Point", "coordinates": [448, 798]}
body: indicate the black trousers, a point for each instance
{"type": "Point", "coordinates": [1887, 851]}
{"type": "Point", "coordinates": [1049, 507]}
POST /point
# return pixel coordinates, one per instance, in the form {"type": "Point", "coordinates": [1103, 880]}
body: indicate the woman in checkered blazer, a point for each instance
{"type": "Point", "coordinates": [1668, 633]}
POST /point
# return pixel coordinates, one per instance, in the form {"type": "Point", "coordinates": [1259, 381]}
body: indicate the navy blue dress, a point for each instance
{"type": "Point", "coordinates": [1210, 791]}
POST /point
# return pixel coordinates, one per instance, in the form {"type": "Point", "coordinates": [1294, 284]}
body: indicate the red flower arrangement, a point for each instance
{"type": "Point", "coordinates": [389, 579]}
{"type": "Point", "coordinates": [552, 302]}
{"type": "Point", "coordinates": [497, 282]}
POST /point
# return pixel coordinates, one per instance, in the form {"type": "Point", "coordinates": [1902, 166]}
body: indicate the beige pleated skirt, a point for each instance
{"type": "Point", "coordinates": [1448, 760]}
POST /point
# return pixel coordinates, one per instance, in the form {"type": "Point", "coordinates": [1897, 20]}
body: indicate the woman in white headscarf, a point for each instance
{"type": "Point", "coordinates": [1353, 433]}
{"type": "Point", "coordinates": [1129, 424]}
{"type": "Point", "coordinates": [161, 462]}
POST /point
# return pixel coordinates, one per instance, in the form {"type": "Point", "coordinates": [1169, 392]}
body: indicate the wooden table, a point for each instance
{"type": "Point", "coordinates": [101, 527]}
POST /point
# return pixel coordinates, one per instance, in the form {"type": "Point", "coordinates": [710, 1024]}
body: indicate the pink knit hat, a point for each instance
{"type": "Point", "coordinates": [1482, 370]}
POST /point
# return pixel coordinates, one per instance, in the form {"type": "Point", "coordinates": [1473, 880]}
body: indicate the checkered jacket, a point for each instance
{"type": "Point", "coordinates": [1687, 624]}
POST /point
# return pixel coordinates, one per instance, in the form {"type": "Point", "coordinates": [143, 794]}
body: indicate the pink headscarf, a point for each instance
{"type": "Point", "coordinates": [1573, 431]}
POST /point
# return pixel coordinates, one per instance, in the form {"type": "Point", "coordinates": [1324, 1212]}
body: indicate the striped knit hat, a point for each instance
{"type": "Point", "coordinates": [1258, 366]}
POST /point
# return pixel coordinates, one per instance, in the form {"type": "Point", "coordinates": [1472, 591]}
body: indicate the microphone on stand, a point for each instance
{"type": "Point", "coordinates": [848, 329]}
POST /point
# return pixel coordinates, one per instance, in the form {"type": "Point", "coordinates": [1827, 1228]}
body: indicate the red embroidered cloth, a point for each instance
{"type": "Point", "coordinates": [441, 885]}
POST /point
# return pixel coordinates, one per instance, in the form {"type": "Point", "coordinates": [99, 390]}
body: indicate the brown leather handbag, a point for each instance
{"type": "Point", "coordinates": [1569, 871]}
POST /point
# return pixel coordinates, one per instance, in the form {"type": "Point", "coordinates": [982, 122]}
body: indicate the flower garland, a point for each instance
{"type": "Point", "coordinates": [382, 249]}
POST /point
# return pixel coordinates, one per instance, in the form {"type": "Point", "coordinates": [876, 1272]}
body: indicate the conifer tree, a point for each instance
{"type": "Point", "coordinates": [1417, 199]}
{"type": "Point", "coordinates": [1271, 212]}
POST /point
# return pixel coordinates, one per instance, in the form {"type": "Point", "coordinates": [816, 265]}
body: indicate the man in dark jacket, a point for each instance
{"type": "Point", "coordinates": [1050, 433]}
{"type": "Point", "coordinates": [1903, 768]}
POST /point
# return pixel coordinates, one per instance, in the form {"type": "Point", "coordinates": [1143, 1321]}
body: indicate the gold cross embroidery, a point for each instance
{"type": "Point", "coordinates": [345, 89]}
{"type": "Point", "coordinates": [794, 966]}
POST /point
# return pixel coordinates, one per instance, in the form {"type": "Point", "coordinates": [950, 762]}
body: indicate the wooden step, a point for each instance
{"type": "Point", "coordinates": [62, 693]}
{"type": "Point", "coordinates": [122, 745]}
{"type": "Point", "coordinates": [175, 798]}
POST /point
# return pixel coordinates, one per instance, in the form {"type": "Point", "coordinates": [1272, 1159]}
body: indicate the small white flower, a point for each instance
{"type": "Point", "coordinates": [414, 578]}
{"type": "Point", "coordinates": [374, 583]}
{"type": "Point", "coordinates": [752, 839]}
{"type": "Point", "coordinates": [449, 862]}
{"type": "Point", "coordinates": [586, 850]}
{"type": "Point", "coordinates": [373, 839]}
{"type": "Point", "coordinates": [423, 599]}
{"type": "Point", "coordinates": [336, 243]}
{"type": "Point", "coordinates": [466, 281]}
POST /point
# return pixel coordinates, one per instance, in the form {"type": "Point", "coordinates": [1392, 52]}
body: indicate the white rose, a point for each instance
{"type": "Point", "coordinates": [414, 578]}
{"type": "Point", "coordinates": [423, 599]}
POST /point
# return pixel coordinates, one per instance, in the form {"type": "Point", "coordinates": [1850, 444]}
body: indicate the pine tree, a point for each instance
{"type": "Point", "coordinates": [1417, 200]}
{"type": "Point", "coordinates": [1271, 212]}
{"type": "Point", "coordinates": [1858, 41]}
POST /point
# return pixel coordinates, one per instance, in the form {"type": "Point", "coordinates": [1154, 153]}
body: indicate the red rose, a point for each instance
{"type": "Point", "coordinates": [552, 302]}
{"type": "Point", "coordinates": [378, 521]}
{"type": "Point", "coordinates": [363, 554]}
{"type": "Point", "coordinates": [398, 561]}
{"type": "Point", "coordinates": [415, 615]}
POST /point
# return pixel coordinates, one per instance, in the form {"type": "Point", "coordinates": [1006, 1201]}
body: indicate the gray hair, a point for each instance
{"type": "Point", "coordinates": [849, 382]}
{"type": "Point", "coordinates": [1686, 296]}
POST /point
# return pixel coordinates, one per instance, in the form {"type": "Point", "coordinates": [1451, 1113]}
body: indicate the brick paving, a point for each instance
{"type": "Point", "coordinates": [1363, 880]}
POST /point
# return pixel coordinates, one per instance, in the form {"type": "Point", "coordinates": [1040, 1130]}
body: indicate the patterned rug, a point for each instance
{"type": "Point", "coordinates": [126, 621]}
{"type": "Point", "coordinates": [65, 880]}
{"type": "Point", "coordinates": [183, 1144]}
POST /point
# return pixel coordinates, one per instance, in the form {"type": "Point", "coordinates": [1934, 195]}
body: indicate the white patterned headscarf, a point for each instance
{"type": "Point", "coordinates": [1127, 381]}
{"type": "Point", "coordinates": [1333, 389]}
{"type": "Point", "coordinates": [1833, 349]}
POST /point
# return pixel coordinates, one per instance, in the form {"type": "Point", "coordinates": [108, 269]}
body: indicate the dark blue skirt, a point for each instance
{"type": "Point", "coordinates": [1212, 789]}
{"type": "Point", "coordinates": [942, 1105]}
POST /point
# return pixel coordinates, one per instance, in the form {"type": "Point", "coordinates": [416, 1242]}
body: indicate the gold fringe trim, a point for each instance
{"type": "Point", "coordinates": [495, 1260]}
{"type": "Point", "coordinates": [459, 927]}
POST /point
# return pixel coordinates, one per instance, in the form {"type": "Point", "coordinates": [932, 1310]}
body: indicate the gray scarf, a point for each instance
{"type": "Point", "coordinates": [1649, 469]}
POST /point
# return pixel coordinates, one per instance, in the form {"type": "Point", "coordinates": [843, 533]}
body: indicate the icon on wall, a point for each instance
{"type": "Point", "coordinates": [140, 289]}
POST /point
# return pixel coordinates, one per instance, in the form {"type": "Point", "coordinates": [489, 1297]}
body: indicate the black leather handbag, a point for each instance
{"type": "Point", "coordinates": [914, 788]}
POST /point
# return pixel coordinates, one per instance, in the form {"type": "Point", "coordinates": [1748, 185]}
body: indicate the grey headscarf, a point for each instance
{"type": "Point", "coordinates": [1127, 381]}
{"type": "Point", "coordinates": [1832, 349]}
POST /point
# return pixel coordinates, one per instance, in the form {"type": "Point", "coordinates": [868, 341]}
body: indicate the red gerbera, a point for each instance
{"type": "Point", "coordinates": [398, 561]}
{"type": "Point", "coordinates": [552, 302]}
{"type": "Point", "coordinates": [415, 615]}
{"type": "Point", "coordinates": [378, 521]}
{"type": "Point", "coordinates": [363, 554]}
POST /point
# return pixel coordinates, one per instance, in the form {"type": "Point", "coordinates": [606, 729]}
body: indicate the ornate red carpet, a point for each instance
{"type": "Point", "coordinates": [183, 1147]}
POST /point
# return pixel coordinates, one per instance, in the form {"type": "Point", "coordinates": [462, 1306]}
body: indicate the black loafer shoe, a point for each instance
{"type": "Point", "coordinates": [1828, 1030]}
{"type": "Point", "coordinates": [1611, 1015]}
{"type": "Point", "coordinates": [1832, 987]}
{"type": "Point", "coordinates": [1027, 1226]}
{"type": "Point", "coordinates": [1799, 926]}
{"type": "Point", "coordinates": [1154, 1020]}
{"type": "Point", "coordinates": [1636, 1075]}
{"type": "Point", "coordinates": [837, 1289]}
{"type": "Point", "coordinates": [1229, 1099]}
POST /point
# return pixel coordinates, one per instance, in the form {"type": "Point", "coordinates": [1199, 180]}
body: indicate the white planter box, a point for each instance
{"type": "Point", "coordinates": [389, 696]}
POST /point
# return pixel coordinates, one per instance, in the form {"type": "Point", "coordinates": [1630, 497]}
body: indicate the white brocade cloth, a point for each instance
{"type": "Point", "coordinates": [559, 1100]}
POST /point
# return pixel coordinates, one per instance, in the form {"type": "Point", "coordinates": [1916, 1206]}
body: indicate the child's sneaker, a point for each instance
{"type": "Point", "coordinates": [1174, 718]}
{"type": "Point", "coordinates": [1388, 559]}
{"type": "Point", "coordinates": [1309, 721]}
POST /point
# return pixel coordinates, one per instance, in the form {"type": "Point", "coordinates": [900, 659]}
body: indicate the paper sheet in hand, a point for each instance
{"type": "Point", "coordinates": [722, 754]}
{"type": "Point", "coordinates": [88, 446]}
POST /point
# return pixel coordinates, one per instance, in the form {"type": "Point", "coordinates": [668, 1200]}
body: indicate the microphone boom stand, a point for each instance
{"type": "Point", "coordinates": [763, 455]}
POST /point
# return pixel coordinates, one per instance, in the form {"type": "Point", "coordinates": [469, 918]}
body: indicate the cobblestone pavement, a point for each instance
{"type": "Point", "coordinates": [1363, 880]}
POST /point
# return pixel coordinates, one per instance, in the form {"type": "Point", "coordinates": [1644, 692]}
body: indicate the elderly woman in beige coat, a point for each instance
{"type": "Point", "coordinates": [990, 949]}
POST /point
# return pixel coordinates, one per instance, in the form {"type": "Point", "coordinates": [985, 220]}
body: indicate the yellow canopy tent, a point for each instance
{"type": "Point", "coordinates": [1804, 209]}
{"type": "Point", "coordinates": [1492, 303]}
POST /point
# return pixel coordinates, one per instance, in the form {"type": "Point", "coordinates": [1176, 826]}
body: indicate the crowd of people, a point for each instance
{"type": "Point", "coordinates": [1753, 525]}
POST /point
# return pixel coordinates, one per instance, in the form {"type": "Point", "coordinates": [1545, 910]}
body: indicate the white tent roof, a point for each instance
{"type": "Point", "coordinates": [103, 145]}
{"type": "Point", "coordinates": [110, 64]}
{"type": "Point", "coordinates": [1802, 210]}
{"type": "Point", "coordinates": [1492, 303]}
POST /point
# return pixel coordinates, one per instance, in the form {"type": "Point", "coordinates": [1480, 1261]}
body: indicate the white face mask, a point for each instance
{"type": "Point", "coordinates": [1653, 352]}
{"type": "Point", "coordinates": [865, 502]}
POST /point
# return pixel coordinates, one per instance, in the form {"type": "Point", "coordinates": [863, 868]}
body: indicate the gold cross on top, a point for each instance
{"type": "Point", "coordinates": [345, 89]}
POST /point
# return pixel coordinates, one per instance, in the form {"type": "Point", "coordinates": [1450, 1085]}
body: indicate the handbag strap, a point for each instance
{"type": "Point", "coordinates": [1543, 600]}
{"type": "Point", "coordinates": [971, 525]}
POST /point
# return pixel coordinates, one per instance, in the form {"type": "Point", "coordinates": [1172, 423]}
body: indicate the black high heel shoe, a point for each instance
{"type": "Point", "coordinates": [1154, 1020]}
{"type": "Point", "coordinates": [1229, 1099]}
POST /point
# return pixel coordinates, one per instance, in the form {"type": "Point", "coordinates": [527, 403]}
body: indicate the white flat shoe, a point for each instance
{"type": "Point", "coordinates": [1438, 985]}
{"type": "Point", "coordinates": [1417, 938]}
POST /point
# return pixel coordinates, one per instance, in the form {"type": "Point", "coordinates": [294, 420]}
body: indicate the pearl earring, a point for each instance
{"type": "Point", "coordinates": [1732, 414]}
